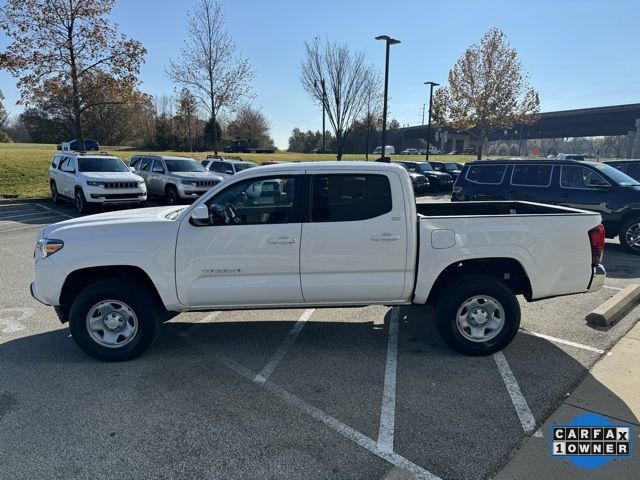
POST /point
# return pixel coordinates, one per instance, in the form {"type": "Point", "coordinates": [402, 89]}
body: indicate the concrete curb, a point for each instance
{"type": "Point", "coordinates": [616, 307]}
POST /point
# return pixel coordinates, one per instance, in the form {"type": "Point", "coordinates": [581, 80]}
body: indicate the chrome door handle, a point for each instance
{"type": "Point", "coordinates": [385, 237]}
{"type": "Point", "coordinates": [282, 239]}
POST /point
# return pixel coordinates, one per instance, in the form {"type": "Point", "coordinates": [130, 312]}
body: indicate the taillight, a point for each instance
{"type": "Point", "coordinates": [596, 239]}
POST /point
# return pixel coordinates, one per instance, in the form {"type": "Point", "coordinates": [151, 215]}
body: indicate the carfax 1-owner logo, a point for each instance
{"type": "Point", "coordinates": [590, 441]}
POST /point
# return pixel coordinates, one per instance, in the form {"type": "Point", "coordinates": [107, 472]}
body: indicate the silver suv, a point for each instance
{"type": "Point", "coordinates": [226, 166]}
{"type": "Point", "coordinates": [173, 178]}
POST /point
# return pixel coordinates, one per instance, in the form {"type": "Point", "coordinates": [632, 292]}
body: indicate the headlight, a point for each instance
{"type": "Point", "coordinates": [91, 183]}
{"type": "Point", "coordinates": [188, 182]}
{"type": "Point", "coordinates": [48, 246]}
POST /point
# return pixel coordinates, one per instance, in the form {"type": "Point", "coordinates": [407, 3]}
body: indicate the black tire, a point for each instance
{"type": "Point", "coordinates": [134, 297]}
{"type": "Point", "coordinates": [629, 235]}
{"type": "Point", "coordinates": [81, 202]}
{"type": "Point", "coordinates": [455, 295]}
{"type": "Point", "coordinates": [55, 196]}
{"type": "Point", "coordinates": [171, 195]}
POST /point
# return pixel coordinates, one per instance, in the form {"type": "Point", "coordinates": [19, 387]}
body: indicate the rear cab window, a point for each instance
{"type": "Point", "coordinates": [349, 197]}
{"type": "Point", "coordinates": [486, 174]}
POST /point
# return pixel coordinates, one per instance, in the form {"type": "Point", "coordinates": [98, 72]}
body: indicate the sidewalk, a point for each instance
{"type": "Point", "coordinates": [612, 389]}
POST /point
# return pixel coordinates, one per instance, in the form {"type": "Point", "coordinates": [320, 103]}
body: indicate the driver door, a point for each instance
{"type": "Point", "coordinates": [248, 253]}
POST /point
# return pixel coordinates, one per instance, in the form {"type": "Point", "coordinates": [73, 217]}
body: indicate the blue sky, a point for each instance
{"type": "Point", "coordinates": [577, 53]}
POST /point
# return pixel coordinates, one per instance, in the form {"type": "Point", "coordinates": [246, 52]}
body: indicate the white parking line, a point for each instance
{"type": "Point", "coordinates": [28, 226]}
{"type": "Point", "coordinates": [518, 400]}
{"type": "Point", "coordinates": [206, 319]}
{"type": "Point", "coordinates": [284, 347]}
{"type": "Point", "coordinates": [562, 341]}
{"type": "Point", "coordinates": [612, 288]}
{"type": "Point", "coordinates": [12, 216]}
{"type": "Point", "coordinates": [388, 410]}
{"type": "Point", "coordinates": [331, 422]}
{"type": "Point", "coordinates": [52, 210]}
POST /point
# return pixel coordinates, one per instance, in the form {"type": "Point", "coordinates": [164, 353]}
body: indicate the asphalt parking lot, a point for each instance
{"type": "Point", "coordinates": [337, 393]}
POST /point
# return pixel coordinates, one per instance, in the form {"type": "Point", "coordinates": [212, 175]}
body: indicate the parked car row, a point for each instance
{"type": "Point", "coordinates": [98, 179]}
{"type": "Point", "coordinates": [594, 186]}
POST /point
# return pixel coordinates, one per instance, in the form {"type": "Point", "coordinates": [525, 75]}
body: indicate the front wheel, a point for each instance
{"type": "Point", "coordinates": [113, 320]}
{"type": "Point", "coordinates": [477, 314]}
{"type": "Point", "coordinates": [81, 202]}
{"type": "Point", "coordinates": [171, 195]}
{"type": "Point", "coordinates": [630, 236]}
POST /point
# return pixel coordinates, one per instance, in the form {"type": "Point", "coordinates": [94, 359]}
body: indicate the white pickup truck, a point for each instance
{"type": "Point", "coordinates": [313, 235]}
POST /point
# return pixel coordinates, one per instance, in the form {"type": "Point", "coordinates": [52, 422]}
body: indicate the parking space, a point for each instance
{"type": "Point", "coordinates": [318, 393]}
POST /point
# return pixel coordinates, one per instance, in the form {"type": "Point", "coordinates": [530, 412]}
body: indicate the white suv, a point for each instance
{"type": "Point", "coordinates": [94, 179]}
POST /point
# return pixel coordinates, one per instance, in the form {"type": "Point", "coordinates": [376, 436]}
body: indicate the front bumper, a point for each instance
{"type": "Point", "coordinates": [116, 196]}
{"type": "Point", "coordinates": [598, 276]}
{"type": "Point", "coordinates": [188, 191]}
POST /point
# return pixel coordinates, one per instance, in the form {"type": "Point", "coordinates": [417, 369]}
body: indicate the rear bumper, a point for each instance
{"type": "Point", "coordinates": [598, 276]}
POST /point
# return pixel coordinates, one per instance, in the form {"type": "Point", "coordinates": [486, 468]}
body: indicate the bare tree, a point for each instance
{"type": "Point", "coordinates": [60, 47]}
{"type": "Point", "coordinates": [208, 62]}
{"type": "Point", "coordinates": [488, 90]}
{"type": "Point", "coordinates": [347, 79]}
{"type": "Point", "coordinates": [4, 116]}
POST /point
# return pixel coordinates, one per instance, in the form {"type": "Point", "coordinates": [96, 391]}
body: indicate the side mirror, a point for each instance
{"type": "Point", "coordinates": [229, 172]}
{"type": "Point", "coordinates": [200, 215]}
{"type": "Point", "coordinates": [132, 169]}
{"type": "Point", "coordinates": [599, 183]}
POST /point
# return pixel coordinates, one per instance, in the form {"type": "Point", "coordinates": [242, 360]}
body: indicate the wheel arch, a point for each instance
{"type": "Point", "coordinates": [504, 269]}
{"type": "Point", "coordinates": [83, 277]}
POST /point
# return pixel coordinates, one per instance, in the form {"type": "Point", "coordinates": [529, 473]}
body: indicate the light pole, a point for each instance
{"type": "Point", "coordinates": [431, 85]}
{"type": "Point", "coordinates": [389, 41]}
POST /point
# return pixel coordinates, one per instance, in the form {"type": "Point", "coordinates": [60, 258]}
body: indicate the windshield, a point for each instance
{"type": "Point", "coordinates": [616, 175]}
{"type": "Point", "coordinates": [101, 164]}
{"type": "Point", "coordinates": [244, 166]}
{"type": "Point", "coordinates": [424, 167]}
{"type": "Point", "coordinates": [451, 167]}
{"type": "Point", "coordinates": [186, 165]}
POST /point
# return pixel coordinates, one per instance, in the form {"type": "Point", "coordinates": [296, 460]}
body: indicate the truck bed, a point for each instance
{"type": "Point", "coordinates": [473, 209]}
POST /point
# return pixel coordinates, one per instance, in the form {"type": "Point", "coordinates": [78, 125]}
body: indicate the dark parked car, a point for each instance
{"type": "Point", "coordinates": [89, 145]}
{"type": "Point", "coordinates": [587, 185]}
{"type": "Point", "coordinates": [630, 167]}
{"type": "Point", "coordinates": [437, 180]}
{"type": "Point", "coordinates": [451, 168]}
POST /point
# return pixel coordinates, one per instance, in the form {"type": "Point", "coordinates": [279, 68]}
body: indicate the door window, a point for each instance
{"type": "Point", "coordinates": [158, 167]}
{"type": "Point", "coordinates": [531, 175]}
{"type": "Point", "coordinates": [264, 200]}
{"type": "Point", "coordinates": [580, 177]}
{"type": "Point", "coordinates": [67, 165]}
{"type": "Point", "coordinates": [348, 198]}
{"type": "Point", "coordinates": [134, 162]}
{"type": "Point", "coordinates": [487, 174]}
{"type": "Point", "coordinates": [145, 164]}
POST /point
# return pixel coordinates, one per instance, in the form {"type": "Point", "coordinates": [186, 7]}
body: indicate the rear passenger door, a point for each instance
{"type": "Point", "coordinates": [354, 249]}
{"type": "Point", "coordinates": [531, 182]}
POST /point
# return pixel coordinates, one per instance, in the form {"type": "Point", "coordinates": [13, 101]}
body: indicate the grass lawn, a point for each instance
{"type": "Point", "coordinates": [24, 166]}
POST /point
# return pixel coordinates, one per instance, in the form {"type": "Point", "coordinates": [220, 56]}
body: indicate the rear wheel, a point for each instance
{"type": "Point", "coordinates": [630, 236]}
{"type": "Point", "coordinates": [113, 320]}
{"type": "Point", "coordinates": [477, 315]}
{"type": "Point", "coordinates": [55, 197]}
{"type": "Point", "coordinates": [171, 195]}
